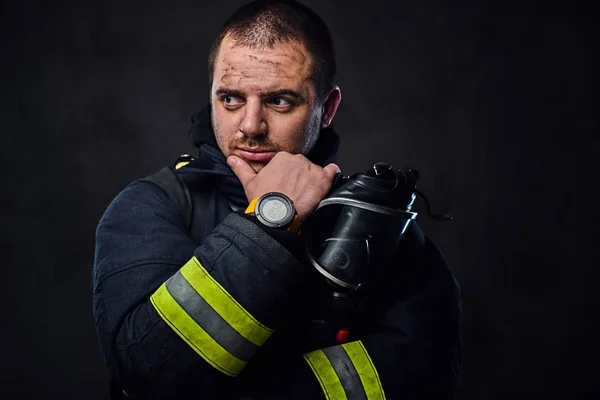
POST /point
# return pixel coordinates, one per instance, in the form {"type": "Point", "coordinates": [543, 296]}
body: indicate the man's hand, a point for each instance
{"type": "Point", "coordinates": [291, 174]}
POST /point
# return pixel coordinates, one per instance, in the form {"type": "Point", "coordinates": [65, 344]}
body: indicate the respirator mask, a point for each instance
{"type": "Point", "coordinates": [353, 233]}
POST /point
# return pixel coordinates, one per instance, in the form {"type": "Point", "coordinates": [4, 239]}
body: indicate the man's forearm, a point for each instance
{"type": "Point", "coordinates": [165, 340]}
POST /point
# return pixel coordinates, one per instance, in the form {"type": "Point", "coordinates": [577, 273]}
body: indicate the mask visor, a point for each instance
{"type": "Point", "coordinates": [352, 244]}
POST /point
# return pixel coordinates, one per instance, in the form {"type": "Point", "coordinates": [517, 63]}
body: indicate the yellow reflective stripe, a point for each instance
{"type": "Point", "coordinates": [181, 164]}
{"type": "Point", "coordinates": [366, 369]}
{"type": "Point", "coordinates": [328, 379]}
{"type": "Point", "coordinates": [176, 317]}
{"type": "Point", "coordinates": [225, 305]}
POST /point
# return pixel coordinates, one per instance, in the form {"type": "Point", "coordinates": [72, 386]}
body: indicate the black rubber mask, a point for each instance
{"type": "Point", "coordinates": [353, 233]}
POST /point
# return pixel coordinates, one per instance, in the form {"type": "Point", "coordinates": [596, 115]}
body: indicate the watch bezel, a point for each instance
{"type": "Point", "coordinates": [290, 212]}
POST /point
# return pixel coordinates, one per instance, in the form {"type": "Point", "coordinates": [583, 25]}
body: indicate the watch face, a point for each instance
{"type": "Point", "coordinates": [275, 210]}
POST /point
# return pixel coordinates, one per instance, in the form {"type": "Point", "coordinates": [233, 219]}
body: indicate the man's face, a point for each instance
{"type": "Point", "coordinates": [264, 101]}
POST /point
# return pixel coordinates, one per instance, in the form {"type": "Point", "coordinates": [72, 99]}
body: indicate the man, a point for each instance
{"type": "Point", "coordinates": [237, 315]}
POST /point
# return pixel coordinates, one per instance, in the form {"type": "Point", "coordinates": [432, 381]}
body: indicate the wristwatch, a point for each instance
{"type": "Point", "coordinates": [275, 210]}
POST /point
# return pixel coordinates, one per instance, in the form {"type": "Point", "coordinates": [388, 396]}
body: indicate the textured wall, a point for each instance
{"type": "Point", "coordinates": [485, 100]}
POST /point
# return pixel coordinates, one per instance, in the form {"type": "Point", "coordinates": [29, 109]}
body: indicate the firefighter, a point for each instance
{"type": "Point", "coordinates": [241, 313]}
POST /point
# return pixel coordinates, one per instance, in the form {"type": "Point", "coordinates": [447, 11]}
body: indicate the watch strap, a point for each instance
{"type": "Point", "coordinates": [294, 225]}
{"type": "Point", "coordinates": [251, 209]}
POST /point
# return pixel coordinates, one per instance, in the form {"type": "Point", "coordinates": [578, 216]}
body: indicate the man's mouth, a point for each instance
{"type": "Point", "coordinates": [255, 154]}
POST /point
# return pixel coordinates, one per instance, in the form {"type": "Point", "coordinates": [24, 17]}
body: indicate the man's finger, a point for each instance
{"type": "Point", "coordinates": [332, 169]}
{"type": "Point", "coordinates": [241, 169]}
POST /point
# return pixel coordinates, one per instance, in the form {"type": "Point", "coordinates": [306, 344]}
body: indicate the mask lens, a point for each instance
{"type": "Point", "coordinates": [351, 243]}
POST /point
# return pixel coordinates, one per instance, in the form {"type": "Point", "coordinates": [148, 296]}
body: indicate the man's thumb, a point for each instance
{"type": "Point", "coordinates": [332, 170]}
{"type": "Point", "coordinates": [241, 169]}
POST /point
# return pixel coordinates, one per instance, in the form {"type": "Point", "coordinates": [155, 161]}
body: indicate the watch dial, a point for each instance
{"type": "Point", "coordinates": [274, 210]}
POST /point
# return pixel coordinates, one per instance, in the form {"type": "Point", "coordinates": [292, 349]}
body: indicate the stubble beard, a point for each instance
{"type": "Point", "coordinates": [310, 134]}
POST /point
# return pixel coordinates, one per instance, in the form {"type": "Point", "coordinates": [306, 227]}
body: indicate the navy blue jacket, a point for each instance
{"type": "Point", "coordinates": [411, 330]}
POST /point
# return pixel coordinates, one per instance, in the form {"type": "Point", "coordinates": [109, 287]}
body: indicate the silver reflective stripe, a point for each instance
{"type": "Point", "coordinates": [344, 368]}
{"type": "Point", "coordinates": [206, 317]}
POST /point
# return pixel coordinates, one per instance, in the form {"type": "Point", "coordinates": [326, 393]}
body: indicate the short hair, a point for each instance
{"type": "Point", "coordinates": [269, 22]}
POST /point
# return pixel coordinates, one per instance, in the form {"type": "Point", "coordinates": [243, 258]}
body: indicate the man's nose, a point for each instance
{"type": "Point", "coordinates": [253, 123]}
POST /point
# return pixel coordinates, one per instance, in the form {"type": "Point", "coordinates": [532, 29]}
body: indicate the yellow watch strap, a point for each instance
{"type": "Point", "coordinates": [295, 225]}
{"type": "Point", "coordinates": [252, 206]}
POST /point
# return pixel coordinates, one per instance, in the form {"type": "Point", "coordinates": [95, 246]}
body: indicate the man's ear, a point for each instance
{"type": "Point", "coordinates": [330, 106]}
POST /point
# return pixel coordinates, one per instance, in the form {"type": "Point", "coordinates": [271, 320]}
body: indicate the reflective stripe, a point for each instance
{"type": "Point", "coordinates": [328, 379]}
{"type": "Point", "coordinates": [366, 369]}
{"type": "Point", "coordinates": [225, 305]}
{"type": "Point", "coordinates": [181, 164]}
{"type": "Point", "coordinates": [208, 319]}
{"type": "Point", "coordinates": [346, 372]}
{"type": "Point", "coordinates": [193, 334]}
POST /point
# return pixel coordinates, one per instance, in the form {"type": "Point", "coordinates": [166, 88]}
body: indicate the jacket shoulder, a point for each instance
{"type": "Point", "coordinates": [140, 224]}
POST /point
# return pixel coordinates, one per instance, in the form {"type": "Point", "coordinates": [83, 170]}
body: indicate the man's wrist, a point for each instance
{"type": "Point", "coordinates": [275, 210]}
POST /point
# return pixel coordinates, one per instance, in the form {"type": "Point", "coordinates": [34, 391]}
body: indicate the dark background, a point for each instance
{"type": "Point", "coordinates": [487, 100]}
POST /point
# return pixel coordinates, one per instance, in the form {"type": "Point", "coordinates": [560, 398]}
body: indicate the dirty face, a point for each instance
{"type": "Point", "coordinates": [264, 101]}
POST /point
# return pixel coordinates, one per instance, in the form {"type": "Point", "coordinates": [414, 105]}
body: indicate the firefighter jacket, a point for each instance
{"type": "Point", "coordinates": [239, 315]}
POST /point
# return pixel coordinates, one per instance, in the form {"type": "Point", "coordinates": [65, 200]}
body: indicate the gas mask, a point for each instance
{"type": "Point", "coordinates": [353, 233]}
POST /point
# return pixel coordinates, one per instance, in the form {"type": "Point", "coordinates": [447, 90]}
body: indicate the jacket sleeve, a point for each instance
{"type": "Point", "coordinates": [410, 348]}
{"type": "Point", "coordinates": [158, 296]}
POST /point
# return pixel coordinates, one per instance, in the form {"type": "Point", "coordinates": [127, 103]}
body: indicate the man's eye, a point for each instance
{"type": "Point", "coordinates": [281, 102]}
{"type": "Point", "coordinates": [231, 100]}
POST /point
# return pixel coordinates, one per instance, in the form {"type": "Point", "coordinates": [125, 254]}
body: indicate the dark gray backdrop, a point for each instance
{"type": "Point", "coordinates": [486, 100]}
